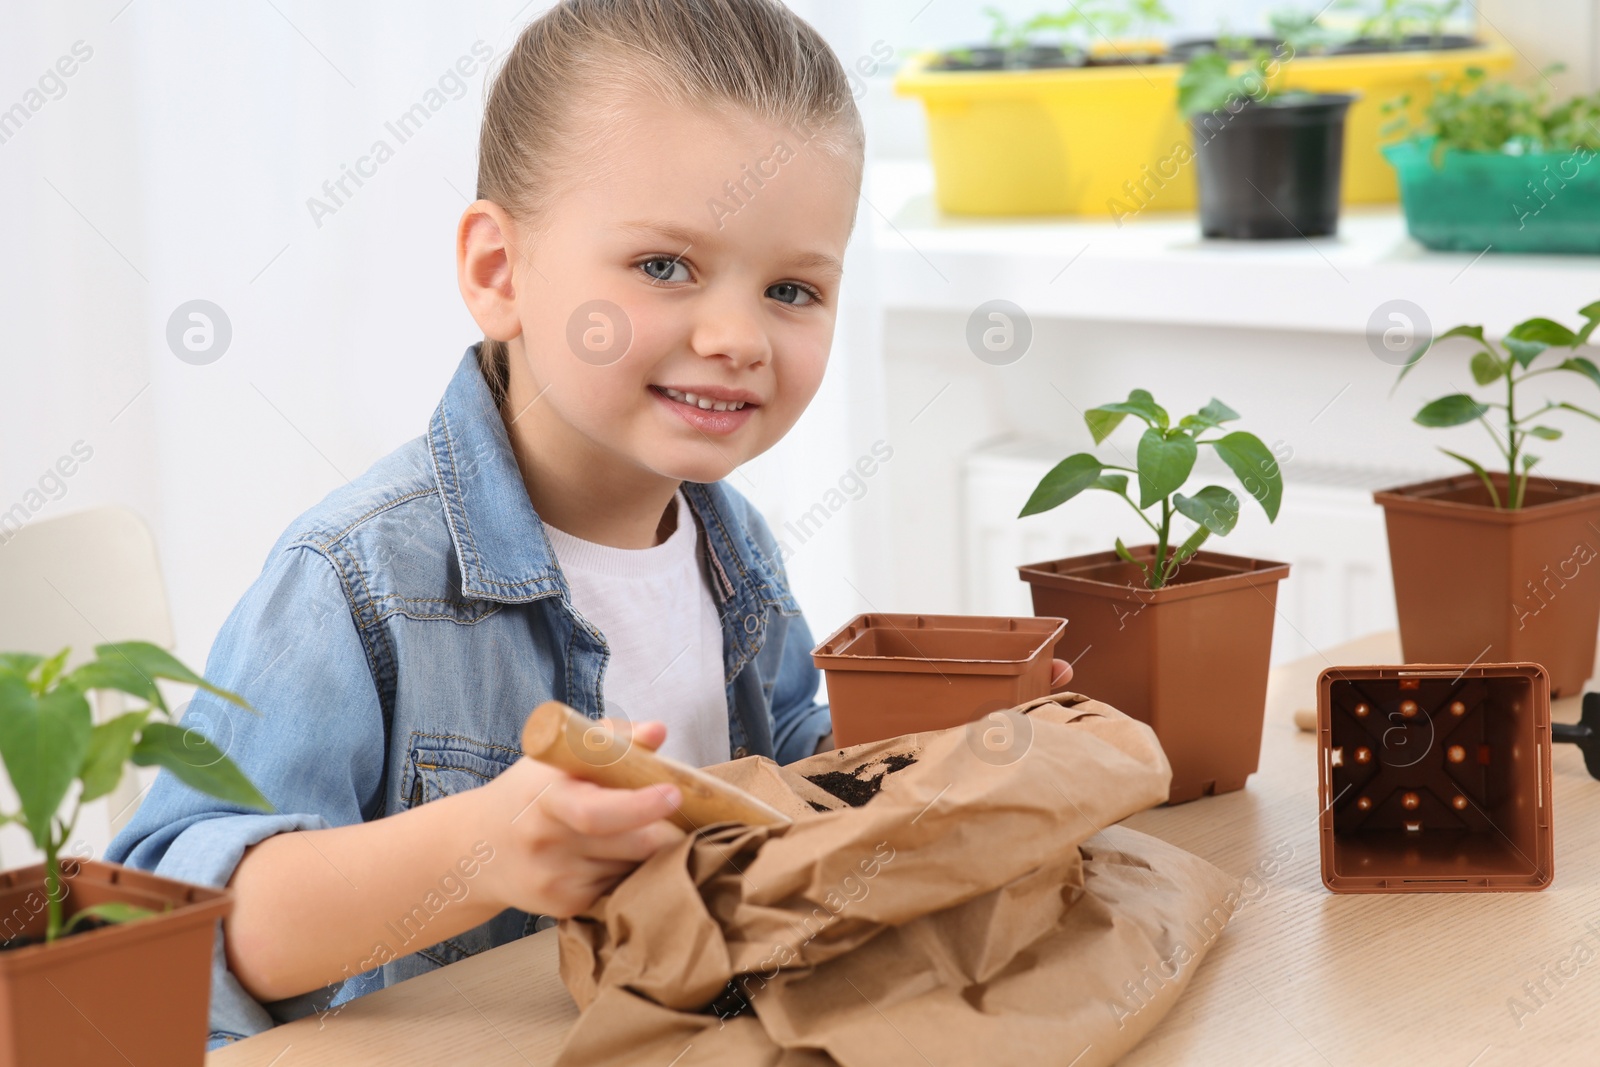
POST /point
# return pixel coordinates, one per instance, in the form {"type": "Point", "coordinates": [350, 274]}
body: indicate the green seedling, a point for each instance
{"type": "Point", "coordinates": [1075, 27]}
{"type": "Point", "coordinates": [49, 740]}
{"type": "Point", "coordinates": [1476, 114]}
{"type": "Point", "coordinates": [1165, 459]}
{"type": "Point", "coordinates": [1395, 20]}
{"type": "Point", "coordinates": [1210, 83]}
{"type": "Point", "coordinates": [1512, 363]}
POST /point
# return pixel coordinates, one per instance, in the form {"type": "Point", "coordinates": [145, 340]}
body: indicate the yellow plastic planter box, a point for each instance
{"type": "Point", "coordinates": [1108, 141]}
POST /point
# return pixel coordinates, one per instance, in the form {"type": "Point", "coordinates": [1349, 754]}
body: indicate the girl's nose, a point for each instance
{"type": "Point", "coordinates": [731, 327]}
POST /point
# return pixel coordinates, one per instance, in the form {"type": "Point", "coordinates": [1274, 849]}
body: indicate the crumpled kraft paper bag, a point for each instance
{"type": "Point", "coordinates": [980, 908]}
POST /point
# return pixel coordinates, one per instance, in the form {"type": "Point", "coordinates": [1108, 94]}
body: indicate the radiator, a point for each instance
{"type": "Point", "coordinates": [1328, 529]}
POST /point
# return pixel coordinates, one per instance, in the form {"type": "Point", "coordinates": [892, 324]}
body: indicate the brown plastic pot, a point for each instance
{"type": "Point", "coordinates": [898, 674]}
{"type": "Point", "coordinates": [1435, 778]}
{"type": "Point", "coordinates": [136, 992]}
{"type": "Point", "coordinates": [1476, 584]}
{"type": "Point", "coordinates": [1190, 658]}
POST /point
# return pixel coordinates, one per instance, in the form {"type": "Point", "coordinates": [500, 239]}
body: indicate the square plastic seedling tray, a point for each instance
{"type": "Point", "coordinates": [897, 674]}
{"type": "Point", "coordinates": [1435, 778]}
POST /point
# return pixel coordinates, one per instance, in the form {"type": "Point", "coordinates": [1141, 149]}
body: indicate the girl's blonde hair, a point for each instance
{"type": "Point", "coordinates": [566, 83]}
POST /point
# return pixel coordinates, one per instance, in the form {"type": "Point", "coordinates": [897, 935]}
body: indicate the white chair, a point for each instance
{"type": "Point", "coordinates": [84, 579]}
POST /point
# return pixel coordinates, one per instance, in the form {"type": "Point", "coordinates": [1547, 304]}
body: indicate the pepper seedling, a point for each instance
{"type": "Point", "coordinates": [1525, 344]}
{"type": "Point", "coordinates": [1165, 459]}
{"type": "Point", "coordinates": [48, 740]}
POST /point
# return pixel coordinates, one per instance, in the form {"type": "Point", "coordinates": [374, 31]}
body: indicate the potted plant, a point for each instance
{"type": "Point", "coordinates": [1173, 636]}
{"type": "Point", "coordinates": [1498, 566]}
{"type": "Point", "coordinates": [102, 964]}
{"type": "Point", "coordinates": [1053, 115]}
{"type": "Point", "coordinates": [1268, 162]}
{"type": "Point", "coordinates": [1494, 166]}
{"type": "Point", "coordinates": [898, 674]}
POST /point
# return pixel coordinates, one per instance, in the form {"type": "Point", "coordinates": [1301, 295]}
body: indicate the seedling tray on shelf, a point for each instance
{"type": "Point", "coordinates": [897, 674]}
{"type": "Point", "coordinates": [1435, 778]}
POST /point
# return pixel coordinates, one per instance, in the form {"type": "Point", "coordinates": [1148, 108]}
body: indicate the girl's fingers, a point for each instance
{"type": "Point", "coordinates": [594, 810]}
{"type": "Point", "coordinates": [1061, 672]}
{"type": "Point", "coordinates": [635, 846]}
{"type": "Point", "coordinates": [650, 734]}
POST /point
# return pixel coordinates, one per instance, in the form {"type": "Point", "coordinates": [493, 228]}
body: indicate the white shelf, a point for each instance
{"type": "Point", "coordinates": [1157, 269]}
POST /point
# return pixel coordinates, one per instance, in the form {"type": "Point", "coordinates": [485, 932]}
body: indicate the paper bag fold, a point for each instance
{"type": "Point", "coordinates": [975, 910]}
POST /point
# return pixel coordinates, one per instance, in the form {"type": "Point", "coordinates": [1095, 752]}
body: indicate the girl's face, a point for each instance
{"type": "Point", "coordinates": [676, 311]}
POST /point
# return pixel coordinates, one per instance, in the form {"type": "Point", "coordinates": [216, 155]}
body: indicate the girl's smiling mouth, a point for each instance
{"type": "Point", "coordinates": [709, 409]}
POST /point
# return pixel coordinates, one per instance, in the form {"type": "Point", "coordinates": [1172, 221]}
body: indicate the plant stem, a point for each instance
{"type": "Point", "coordinates": [52, 890]}
{"type": "Point", "coordinates": [1158, 571]}
{"type": "Point", "coordinates": [1514, 486]}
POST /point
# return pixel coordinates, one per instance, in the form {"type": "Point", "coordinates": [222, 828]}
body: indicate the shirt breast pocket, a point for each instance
{"type": "Point", "coordinates": [444, 765]}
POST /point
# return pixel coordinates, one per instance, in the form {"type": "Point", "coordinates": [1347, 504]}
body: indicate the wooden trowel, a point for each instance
{"type": "Point", "coordinates": [607, 755]}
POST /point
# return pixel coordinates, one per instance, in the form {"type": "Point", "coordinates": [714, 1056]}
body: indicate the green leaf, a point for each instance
{"type": "Point", "coordinates": [1581, 365]}
{"type": "Point", "coordinates": [1127, 557]}
{"type": "Point", "coordinates": [1524, 352]}
{"type": "Point", "coordinates": [1486, 367]}
{"type": "Point", "coordinates": [1107, 417]}
{"type": "Point", "coordinates": [1255, 467]}
{"type": "Point", "coordinates": [1212, 415]}
{"type": "Point", "coordinates": [1064, 481]}
{"type": "Point", "coordinates": [43, 740]}
{"type": "Point", "coordinates": [50, 670]}
{"type": "Point", "coordinates": [1477, 468]}
{"type": "Point", "coordinates": [1545, 331]}
{"type": "Point", "coordinates": [1213, 507]}
{"type": "Point", "coordinates": [1102, 422]}
{"type": "Point", "coordinates": [117, 674]}
{"type": "Point", "coordinates": [1591, 315]}
{"type": "Point", "coordinates": [1545, 433]}
{"type": "Point", "coordinates": [154, 661]}
{"type": "Point", "coordinates": [1114, 483]}
{"type": "Point", "coordinates": [1528, 461]}
{"type": "Point", "coordinates": [112, 911]}
{"type": "Point", "coordinates": [110, 747]}
{"type": "Point", "coordinates": [1164, 464]}
{"type": "Point", "coordinates": [1475, 332]}
{"type": "Point", "coordinates": [1452, 410]}
{"type": "Point", "coordinates": [198, 763]}
{"type": "Point", "coordinates": [20, 664]}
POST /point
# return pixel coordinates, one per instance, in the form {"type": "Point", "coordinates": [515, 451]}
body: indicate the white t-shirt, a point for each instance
{"type": "Point", "coordinates": [654, 608]}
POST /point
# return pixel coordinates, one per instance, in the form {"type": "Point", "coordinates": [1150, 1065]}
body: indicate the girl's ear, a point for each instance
{"type": "Point", "coordinates": [485, 247]}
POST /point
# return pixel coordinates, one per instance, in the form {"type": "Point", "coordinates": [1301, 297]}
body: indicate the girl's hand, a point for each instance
{"type": "Point", "coordinates": [1060, 673]}
{"type": "Point", "coordinates": [559, 843]}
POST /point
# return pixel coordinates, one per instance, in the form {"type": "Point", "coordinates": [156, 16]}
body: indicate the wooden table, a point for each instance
{"type": "Point", "coordinates": [1302, 976]}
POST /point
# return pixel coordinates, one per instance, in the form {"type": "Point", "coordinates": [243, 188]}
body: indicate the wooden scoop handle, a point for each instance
{"type": "Point", "coordinates": [597, 752]}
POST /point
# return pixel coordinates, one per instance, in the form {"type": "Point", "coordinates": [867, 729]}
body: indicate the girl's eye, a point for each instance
{"type": "Point", "coordinates": [793, 293]}
{"type": "Point", "coordinates": [661, 269]}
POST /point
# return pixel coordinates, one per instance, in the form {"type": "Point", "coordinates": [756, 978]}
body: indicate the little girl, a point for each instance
{"type": "Point", "coordinates": [666, 188]}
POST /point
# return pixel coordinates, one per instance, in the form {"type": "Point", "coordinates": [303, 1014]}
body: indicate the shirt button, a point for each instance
{"type": "Point", "coordinates": [741, 752]}
{"type": "Point", "coordinates": [751, 623]}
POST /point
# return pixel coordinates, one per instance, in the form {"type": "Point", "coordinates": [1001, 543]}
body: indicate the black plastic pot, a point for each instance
{"type": "Point", "coordinates": [1271, 170]}
{"type": "Point", "coordinates": [1186, 49]}
{"type": "Point", "coordinates": [988, 57]}
{"type": "Point", "coordinates": [1415, 42]}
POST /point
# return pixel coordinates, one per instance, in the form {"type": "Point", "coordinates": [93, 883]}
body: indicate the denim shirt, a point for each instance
{"type": "Point", "coordinates": [394, 643]}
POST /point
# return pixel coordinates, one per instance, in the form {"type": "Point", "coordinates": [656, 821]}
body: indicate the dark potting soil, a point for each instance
{"type": "Point", "coordinates": [854, 790]}
{"type": "Point", "coordinates": [23, 942]}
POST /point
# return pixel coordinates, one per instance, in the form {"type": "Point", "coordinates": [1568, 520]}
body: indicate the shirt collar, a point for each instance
{"type": "Point", "coordinates": [500, 544]}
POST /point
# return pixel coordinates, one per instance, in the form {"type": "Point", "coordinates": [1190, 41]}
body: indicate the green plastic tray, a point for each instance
{"type": "Point", "coordinates": [1549, 202]}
